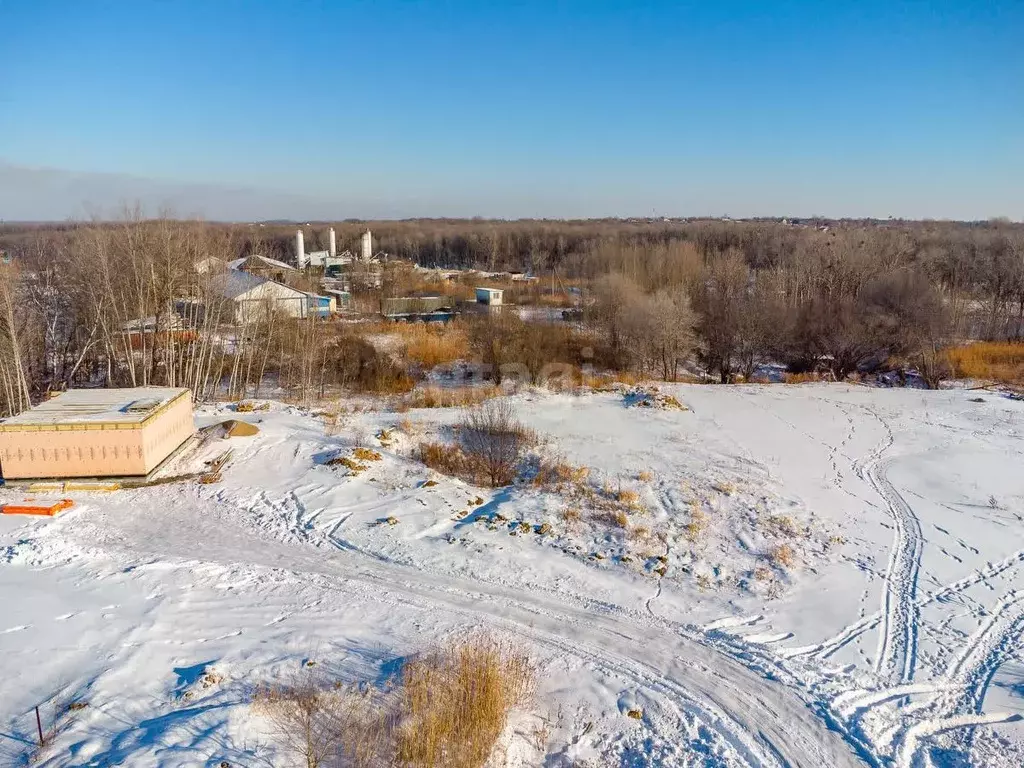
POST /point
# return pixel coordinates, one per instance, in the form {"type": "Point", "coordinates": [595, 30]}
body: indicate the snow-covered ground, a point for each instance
{"type": "Point", "coordinates": [817, 575]}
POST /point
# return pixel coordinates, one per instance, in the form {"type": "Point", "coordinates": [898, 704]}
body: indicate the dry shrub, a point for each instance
{"type": "Point", "coordinates": [627, 497]}
{"type": "Point", "coordinates": [491, 443]}
{"type": "Point", "coordinates": [322, 723]}
{"type": "Point", "coordinates": [446, 459]}
{"type": "Point", "coordinates": [560, 473]}
{"type": "Point", "coordinates": [430, 345]}
{"type": "Point", "coordinates": [450, 397]}
{"type": "Point", "coordinates": [349, 463]}
{"type": "Point", "coordinates": [783, 525]}
{"type": "Point", "coordinates": [697, 525]}
{"type": "Point", "coordinates": [334, 420]}
{"type": "Point", "coordinates": [354, 362]}
{"type": "Point", "coordinates": [801, 378]}
{"type": "Point", "coordinates": [640, 532]}
{"type": "Point", "coordinates": [494, 440]}
{"type": "Point", "coordinates": [391, 383]}
{"type": "Point", "coordinates": [645, 476]}
{"type": "Point", "coordinates": [606, 382]}
{"type": "Point", "coordinates": [782, 556]}
{"type": "Point", "coordinates": [448, 708]}
{"type": "Point", "coordinates": [621, 519]}
{"type": "Point", "coordinates": [455, 702]}
{"type": "Point", "coordinates": [571, 515]}
{"type": "Point", "coordinates": [366, 454]}
{"type": "Point", "coordinates": [997, 361]}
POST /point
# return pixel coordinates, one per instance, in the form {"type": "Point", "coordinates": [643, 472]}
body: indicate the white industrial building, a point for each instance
{"type": "Point", "coordinates": [251, 296]}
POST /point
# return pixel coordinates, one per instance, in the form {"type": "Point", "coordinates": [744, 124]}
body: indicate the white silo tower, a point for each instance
{"type": "Point", "coordinates": [300, 250]}
{"type": "Point", "coordinates": [332, 245]}
{"type": "Point", "coordinates": [367, 245]}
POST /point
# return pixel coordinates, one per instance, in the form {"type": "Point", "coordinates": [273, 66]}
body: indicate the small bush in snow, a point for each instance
{"type": "Point", "coordinates": [321, 722]}
{"type": "Point", "coordinates": [455, 702]}
{"type": "Point", "coordinates": [782, 556]}
{"type": "Point", "coordinates": [627, 497]}
{"type": "Point", "coordinates": [494, 440]}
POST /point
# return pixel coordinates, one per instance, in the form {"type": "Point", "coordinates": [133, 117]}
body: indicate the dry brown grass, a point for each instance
{"type": "Point", "coordinates": [782, 556]}
{"type": "Point", "coordinates": [322, 722]}
{"type": "Point", "coordinates": [628, 497]}
{"type": "Point", "coordinates": [645, 476]}
{"type": "Point", "coordinates": [454, 397]}
{"type": "Point", "coordinates": [349, 463]}
{"type": "Point", "coordinates": [698, 523]}
{"type": "Point", "coordinates": [557, 474]}
{"type": "Point", "coordinates": [995, 361]}
{"type": "Point", "coordinates": [455, 702]}
{"type": "Point", "coordinates": [571, 515]}
{"type": "Point", "coordinates": [446, 459]}
{"type": "Point", "coordinates": [783, 525]}
{"type": "Point", "coordinates": [448, 708]}
{"type": "Point", "coordinates": [366, 454]}
{"type": "Point", "coordinates": [430, 344]}
{"type": "Point", "coordinates": [725, 487]}
{"type": "Point", "coordinates": [606, 382]}
{"type": "Point", "coordinates": [640, 532]}
{"type": "Point", "coordinates": [801, 378]}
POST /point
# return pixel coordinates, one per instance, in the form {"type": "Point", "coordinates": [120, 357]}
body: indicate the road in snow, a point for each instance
{"type": "Point", "coordinates": [881, 649]}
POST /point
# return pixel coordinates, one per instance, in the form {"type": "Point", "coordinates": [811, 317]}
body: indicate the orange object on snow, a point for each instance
{"type": "Point", "coordinates": [37, 509]}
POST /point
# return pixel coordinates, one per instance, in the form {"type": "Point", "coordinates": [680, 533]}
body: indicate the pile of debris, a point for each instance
{"type": "Point", "coordinates": [646, 396]}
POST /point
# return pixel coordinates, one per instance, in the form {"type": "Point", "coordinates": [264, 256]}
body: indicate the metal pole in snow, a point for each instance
{"type": "Point", "coordinates": [39, 725]}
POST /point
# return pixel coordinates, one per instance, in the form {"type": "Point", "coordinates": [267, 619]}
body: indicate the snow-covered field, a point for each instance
{"type": "Point", "coordinates": [819, 575]}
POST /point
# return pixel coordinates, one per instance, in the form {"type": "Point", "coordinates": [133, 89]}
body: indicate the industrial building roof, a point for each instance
{"type": "Point", "coordinates": [260, 261]}
{"type": "Point", "coordinates": [234, 284]}
{"type": "Point", "coordinates": [128, 407]}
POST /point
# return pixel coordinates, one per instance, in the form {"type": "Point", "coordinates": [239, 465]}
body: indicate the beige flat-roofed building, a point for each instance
{"type": "Point", "coordinates": [96, 433]}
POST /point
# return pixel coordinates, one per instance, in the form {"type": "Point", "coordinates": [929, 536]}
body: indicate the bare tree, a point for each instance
{"type": "Point", "coordinates": [494, 439]}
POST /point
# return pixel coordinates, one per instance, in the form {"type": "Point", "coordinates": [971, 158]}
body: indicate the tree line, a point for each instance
{"type": "Point", "coordinates": [122, 304]}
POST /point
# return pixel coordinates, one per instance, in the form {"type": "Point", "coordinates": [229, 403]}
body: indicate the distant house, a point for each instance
{"type": "Point", "coordinates": [412, 307]}
{"type": "Point", "coordinates": [211, 264]}
{"type": "Point", "coordinates": [262, 266]}
{"type": "Point", "coordinates": [321, 306]}
{"type": "Point", "coordinates": [251, 296]}
{"type": "Point", "coordinates": [490, 297]}
{"type": "Point", "coordinates": [342, 299]}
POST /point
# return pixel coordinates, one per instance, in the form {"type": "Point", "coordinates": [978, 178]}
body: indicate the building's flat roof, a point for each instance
{"type": "Point", "coordinates": [96, 406]}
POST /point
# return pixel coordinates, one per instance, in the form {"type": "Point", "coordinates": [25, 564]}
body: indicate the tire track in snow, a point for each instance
{"type": "Point", "coordinates": [968, 680]}
{"type": "Point", "coordinates": [765, 724]}
{"type": "Point", "coordinates": [897, 640]}
{"type": "Point", "coordinates": [829, 647]}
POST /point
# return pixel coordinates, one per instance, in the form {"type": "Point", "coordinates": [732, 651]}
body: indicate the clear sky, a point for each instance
{"type": "Point", "coordinates": [323, 109]}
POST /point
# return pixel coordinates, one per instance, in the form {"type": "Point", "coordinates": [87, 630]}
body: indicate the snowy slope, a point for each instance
{"type": "Point", "coordinates": [890, 635]}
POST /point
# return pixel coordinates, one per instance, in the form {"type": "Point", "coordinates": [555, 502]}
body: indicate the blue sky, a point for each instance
{"type": "Point", "coordinates": [516, 109]}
